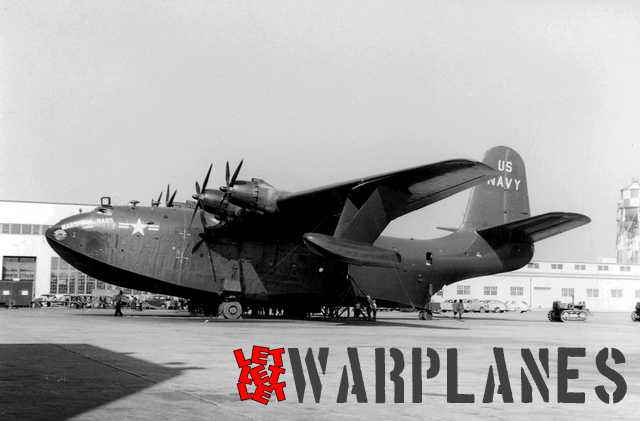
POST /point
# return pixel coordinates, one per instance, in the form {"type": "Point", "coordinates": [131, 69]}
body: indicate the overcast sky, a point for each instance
{"type": "Point", "coordinates": [123, 97]}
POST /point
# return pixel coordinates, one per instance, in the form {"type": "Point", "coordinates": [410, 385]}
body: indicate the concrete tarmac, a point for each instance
{"type": "Point", "coordinates": [88, 365]}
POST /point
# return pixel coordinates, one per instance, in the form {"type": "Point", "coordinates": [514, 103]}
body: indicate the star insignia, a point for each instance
{"type": "Point", "coordinates": [138, 227]}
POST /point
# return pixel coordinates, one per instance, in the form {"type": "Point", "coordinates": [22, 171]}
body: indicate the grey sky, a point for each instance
{"type": "Point", "coordinates": [122, 97]}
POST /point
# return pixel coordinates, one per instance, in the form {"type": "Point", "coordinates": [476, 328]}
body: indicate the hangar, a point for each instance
{"type": "Point", "coordinates": [604, 286]}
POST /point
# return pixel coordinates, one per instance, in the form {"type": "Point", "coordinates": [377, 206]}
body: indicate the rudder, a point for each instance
{"type": "Point", "coordinates": [503, 198]}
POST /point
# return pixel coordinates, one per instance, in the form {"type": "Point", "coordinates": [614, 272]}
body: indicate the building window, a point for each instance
{"type": "Point", "coordinates": [556, 266]}
{"type": "Point", "coordinates": [616, 293]}
{"type": "Point", "coordinates": [603, 268]}
{"type": "Point", "coordinates": [440, 293]}
{"type": "Point", "coordinates": [490, 290]}
{"type": "Point", "coordinates": [625, 268]}
{"type": "Point", "coordinates": [464, 290]}
{"type": "Point", "coordinates": [18, 268]}
{"type": "Point", "coordinates": [6, 228]}
{"type": "Point", "coordinates": [567, 292]}
{"type": "Point", "coordinates": [533, 266]}
{"type": "Point", "coordinates": [90, 286]}
{"type": "Point", "coordinates": [15, 228]}
{"type": "Point", "coordinates": [580, 267]}
{"type": "Point", "coordinates": [593, 292]}
{"type": "Point", "coordinates": [53, 283]}
{"type": "Point", "coordinates": [517, 291]}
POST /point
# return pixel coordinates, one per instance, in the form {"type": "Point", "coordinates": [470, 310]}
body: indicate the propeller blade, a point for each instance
{"type": "Point", "coordinates": [193, 215]}
{"type": "Point", "coordinates": [197, 245]}
{"type": "Point", "coordinates": [166, 198]}
{"type": "Point", "coordinates": [227, 174]}
{"type": "Point", "coordinates": [197, 188]}
{"type": "Point", "coordinates": [173, 196]}
{"type": "Point", "coordinates": [235, 174]}
{"type": "Point", "coordinates": [202, 235]}
{"type": "Point", "coordinates": [206, 178]}
{"type": "Point", "coordinates": [159, 197]}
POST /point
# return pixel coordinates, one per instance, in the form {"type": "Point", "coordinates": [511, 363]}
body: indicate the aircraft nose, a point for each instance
{"type": "Point", "coordinates": [60, 231]}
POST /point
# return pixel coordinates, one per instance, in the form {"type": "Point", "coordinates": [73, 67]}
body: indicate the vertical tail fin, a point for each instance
{"type": "Point", "coordinates": [501, 199]}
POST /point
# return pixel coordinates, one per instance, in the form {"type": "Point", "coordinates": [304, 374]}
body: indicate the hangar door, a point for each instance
{"type": "Point", "coordinates": [18, 275]}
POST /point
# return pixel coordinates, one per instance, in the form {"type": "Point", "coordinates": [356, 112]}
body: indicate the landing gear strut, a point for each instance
{"type": "Point", "coordinates": [230, 310]}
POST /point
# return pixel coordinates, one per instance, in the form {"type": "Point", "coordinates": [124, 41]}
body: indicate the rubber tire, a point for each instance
{"type": "Point", "coordinates": [421, 315]}
{"type": "Point", "coordinates": [550, 316]}
{"type": "Point", "coordinates": [231, 310]}
{"type": "Point", "coordinates": [634, 317]}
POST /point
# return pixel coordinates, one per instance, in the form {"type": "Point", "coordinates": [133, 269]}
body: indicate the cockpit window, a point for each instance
{"type": "Point", "coordinates": [104, 211]}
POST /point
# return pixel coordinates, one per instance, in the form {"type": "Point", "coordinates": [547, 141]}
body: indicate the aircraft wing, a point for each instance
{"type": "Point", "coordinates": [541, 226]}
{"type": "Point", "coordinates": [403, 191]}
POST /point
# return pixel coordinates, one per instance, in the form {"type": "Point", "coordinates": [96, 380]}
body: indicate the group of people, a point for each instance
{"type": "Point", "coordinates": [457, 306]}
{"type": "Point", "coordinates": [369, 307]}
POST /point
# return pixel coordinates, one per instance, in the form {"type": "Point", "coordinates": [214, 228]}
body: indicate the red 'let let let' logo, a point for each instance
{"type": "Point", "coordinates": [259, 373]}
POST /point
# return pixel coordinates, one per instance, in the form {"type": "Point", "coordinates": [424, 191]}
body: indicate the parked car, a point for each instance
{"type": "Point", "coordinates": [478, 306]}
{"type": "Point", "coordinates": [486, 306]}
{"type": "Point", "coordinates": [47, 300]}
{"type": "Point", "coordinates": [496, 306]}
{"type": "Point", "coordinates": [517, 305]}
{"type": "Point", "coordinates": [446, 305]}
{"type": "Point", "coordinates": [467, 305]}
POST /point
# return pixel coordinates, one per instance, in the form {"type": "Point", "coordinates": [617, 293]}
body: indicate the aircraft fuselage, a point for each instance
{"type": "Point", "coordinates": [152, 249]}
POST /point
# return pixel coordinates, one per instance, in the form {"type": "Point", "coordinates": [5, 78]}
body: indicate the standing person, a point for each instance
{"type": "Point", "coordinates": [118, 300]}
{"type": "Point", "coordinates": [460, 309]}
{"type": "Point", "coordinates": [356, 310]}
{"type": "Point", "coordinates": [454, 308]}
{"type": "Point", "coordinates": [374, 309]}
{"type": "Point", "coordinates": [368, 308]}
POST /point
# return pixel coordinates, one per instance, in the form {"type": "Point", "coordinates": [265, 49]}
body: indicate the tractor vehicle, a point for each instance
{"type": "Point", "coordinates": [567, 312]}
{"type": "Point", "coordinates": [635, 314]}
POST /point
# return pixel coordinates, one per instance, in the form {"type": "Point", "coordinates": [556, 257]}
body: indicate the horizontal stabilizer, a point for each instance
{"type": "Point", "coordinates": [351, 252]}
{"type": "Point", "coordinates": [539, 227]}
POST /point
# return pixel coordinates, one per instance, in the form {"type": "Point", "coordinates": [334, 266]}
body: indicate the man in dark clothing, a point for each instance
{"type": "Point", "coordinates": [374, 309]}
{"type": "Point", "coordinates": [118, 301]}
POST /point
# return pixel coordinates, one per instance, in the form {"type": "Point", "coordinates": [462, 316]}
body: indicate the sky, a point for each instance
{"type": "Point", "coordinates": [122, 97]}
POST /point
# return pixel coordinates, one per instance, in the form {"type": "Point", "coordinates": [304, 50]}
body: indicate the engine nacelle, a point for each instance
{"type": "Point", "coordinates": [256, 195]}
{"type": "Point", "coordinates": [212, 202]}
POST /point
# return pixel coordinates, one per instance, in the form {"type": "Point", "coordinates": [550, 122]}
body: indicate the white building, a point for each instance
{"type": "Point", "coordinates": [603, 286]}
{"type": "Point", "coordinates": [26, 256]}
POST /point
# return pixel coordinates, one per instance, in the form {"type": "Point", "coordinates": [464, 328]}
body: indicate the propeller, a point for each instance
{"type": "Point", "coordinates": [199, 194]}
{"type": "Point", "coordinates": [231, 181]}
{"type": "Point", "coordinates": [202, 235]}
{"type": "Point", "coordinates": [157, 202]}
{"type": "Point", "coordinates": [169, 200]}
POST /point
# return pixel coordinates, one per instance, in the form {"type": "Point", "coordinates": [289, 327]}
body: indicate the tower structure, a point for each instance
{"type": "Point", "coordinates": [628, 237]}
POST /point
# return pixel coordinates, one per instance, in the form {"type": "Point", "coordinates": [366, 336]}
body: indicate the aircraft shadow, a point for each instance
{"type": "Point", "coordinates": [48, 381]}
